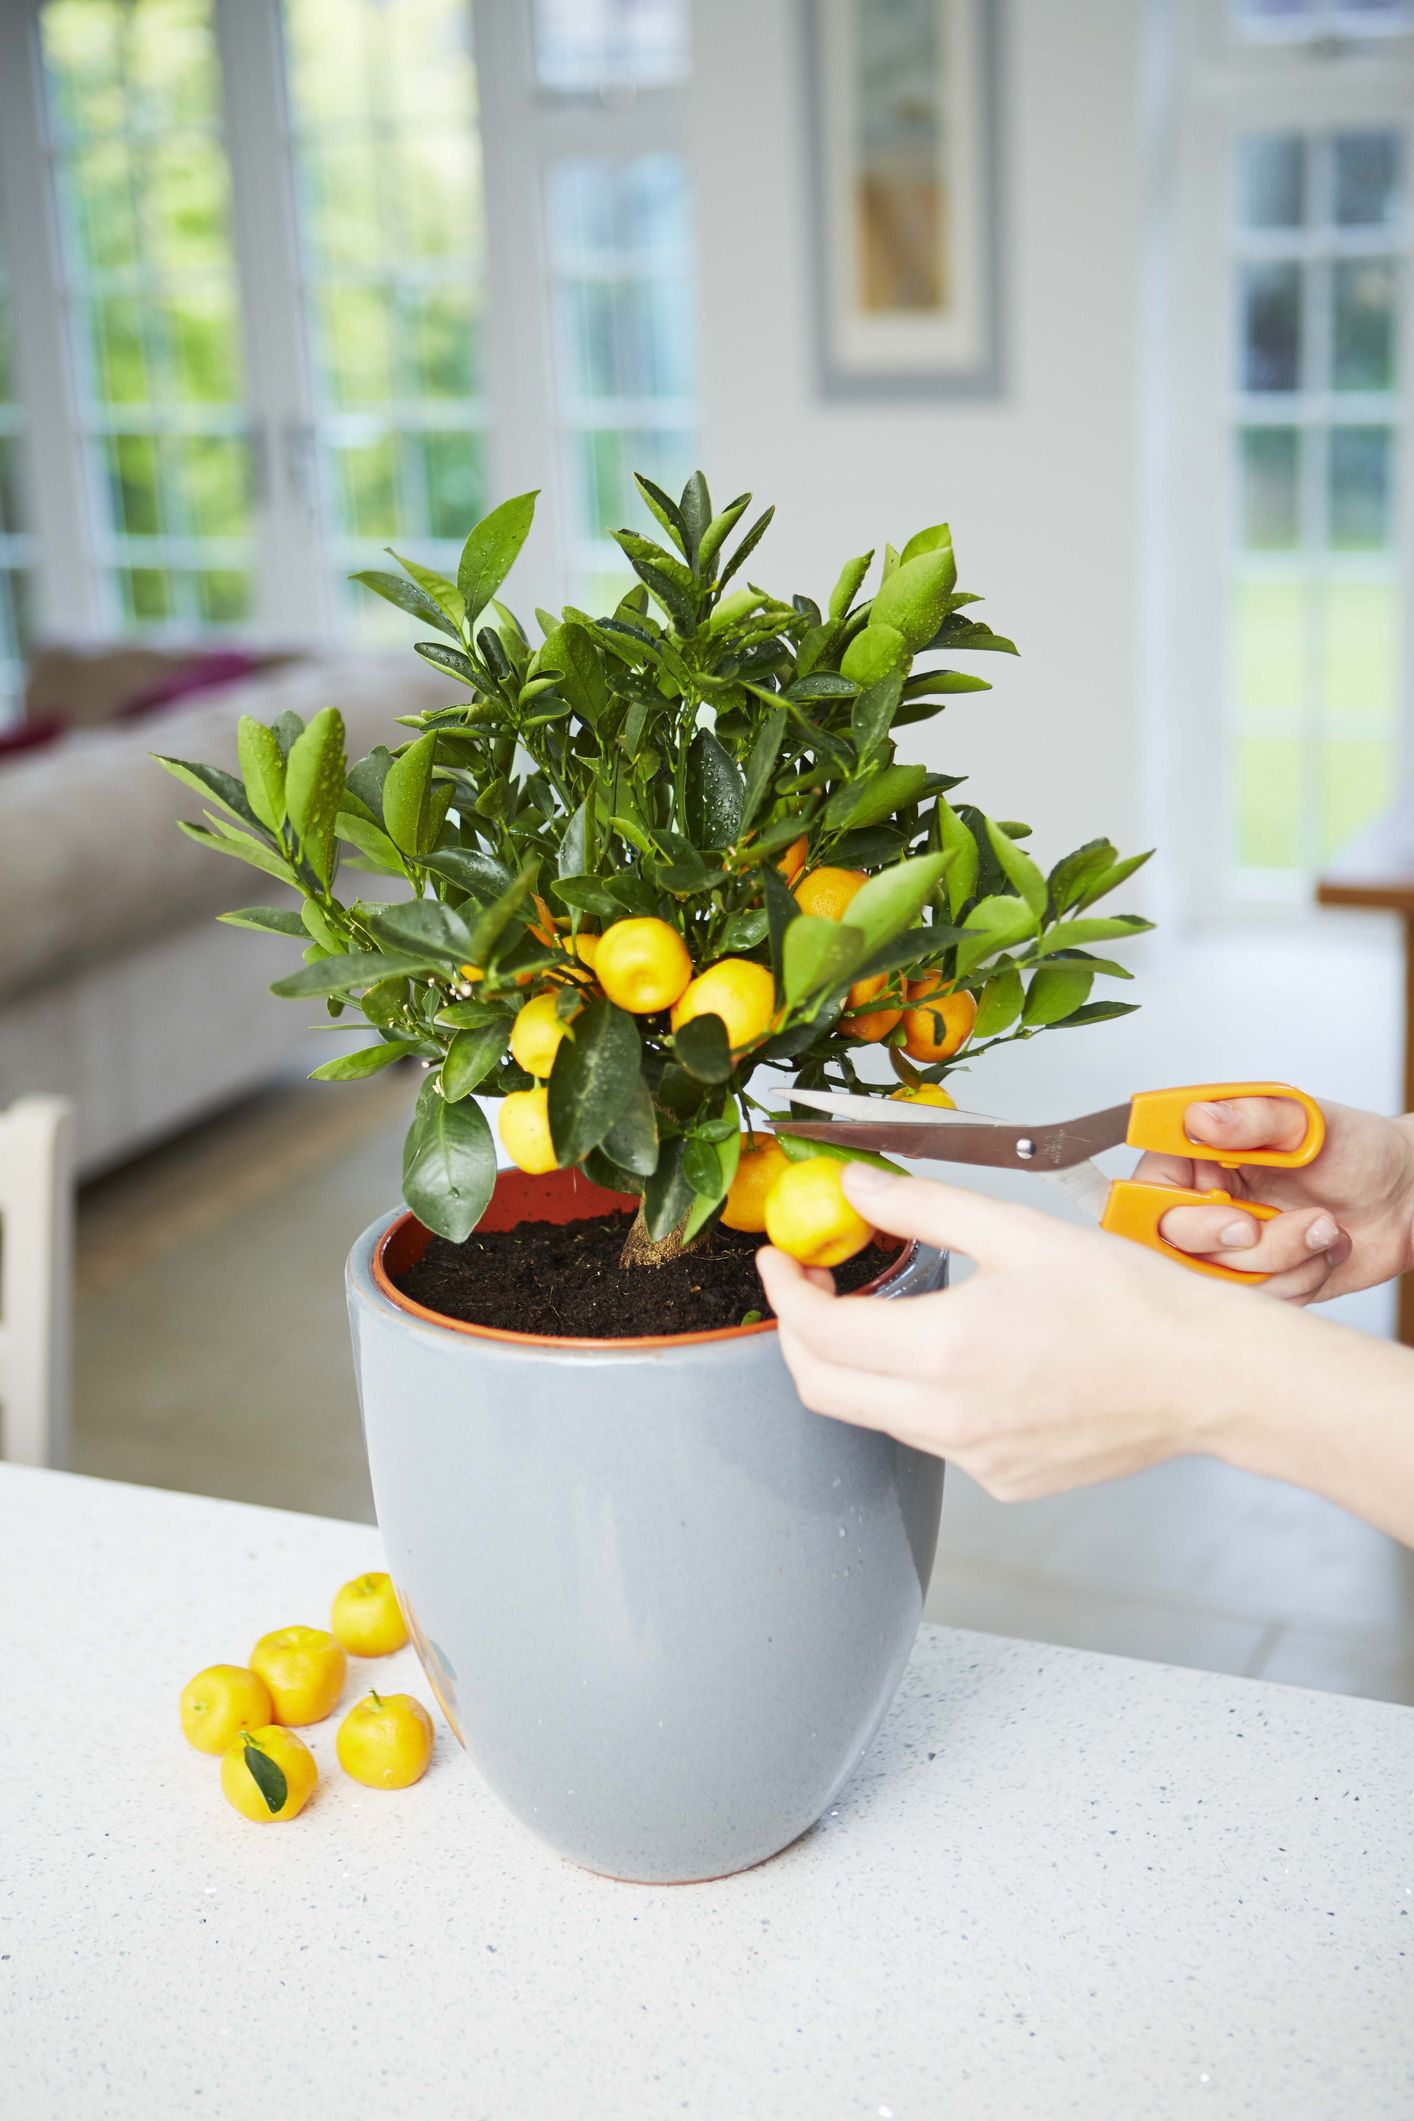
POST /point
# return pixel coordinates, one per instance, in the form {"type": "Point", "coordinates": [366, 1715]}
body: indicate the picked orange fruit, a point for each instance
{"type": "Point", "coordinates": [304, 1669]}
{"type": "Point", "coordinates": [268, 1775]}
{"type": "Point", "coordinates": [367, 1619]}
{"type": "Point", "coordinates": [859, 1020]}
{"type": "Point", "coordinates": [923, 1094]}
{"type": "Point", "coordinates": [827, 892]}
{"type": "Point", "coordinates": [760, 1164]}
{"type": "Point", "coordinates": [385, 1741]}
{"type": "Point", "coordinates": [220, 1702]}
{"type": "Point", "coordinates": [808, 1215]}
{"type": "Point", "coordinates": [523, 1124]}
{"type": "Point", "coordinates": [938, 1020]}
{"type": "Point", "coordinates": [738, 990]}
{"type": "Point", "coordinates": [642, 965]}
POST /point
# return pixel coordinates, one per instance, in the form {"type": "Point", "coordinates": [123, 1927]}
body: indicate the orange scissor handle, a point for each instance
{"type": "Point", "coordinates": [1156, 1123]}
{"type": "Point", "coordinates": [1135, 1210]}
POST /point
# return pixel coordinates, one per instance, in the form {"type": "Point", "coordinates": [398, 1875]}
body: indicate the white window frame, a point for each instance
{"type": "Point", "coordinates": [1224, 86]}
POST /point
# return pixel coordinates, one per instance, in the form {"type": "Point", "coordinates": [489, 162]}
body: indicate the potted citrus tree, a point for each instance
{"type": "Point", "coordinates": [638, 876]}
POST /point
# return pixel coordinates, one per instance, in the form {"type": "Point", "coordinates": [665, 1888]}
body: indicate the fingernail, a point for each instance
{"type": "Point", "coordinates": [866, 1178]}
{"type": "Point", "coordinates": [1237, 1236]}
{"type": "Point", "coordinates": [1210, 1111]}
{"type": "Point", "coordinates": [1340, 1251]}
{"type": "Point", "coordinates": [1322, 1234]}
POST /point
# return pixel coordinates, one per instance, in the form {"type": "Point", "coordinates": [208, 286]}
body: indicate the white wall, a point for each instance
{"type": "Point", "coordinates": [1041, 484]}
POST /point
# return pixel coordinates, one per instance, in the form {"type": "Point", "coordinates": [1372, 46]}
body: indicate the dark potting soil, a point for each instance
{"type": "Point", "coordinates": [564, 1279]}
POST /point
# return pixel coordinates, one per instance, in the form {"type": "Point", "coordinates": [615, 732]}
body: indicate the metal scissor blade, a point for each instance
{"type": "Point", "coordinates": [958, 1138]}
{"type": "Point", "coordinates": [843, 1104]}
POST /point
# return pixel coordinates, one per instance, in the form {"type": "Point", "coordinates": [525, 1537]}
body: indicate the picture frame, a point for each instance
{"type": "Point", "coordinates": [904, 178]}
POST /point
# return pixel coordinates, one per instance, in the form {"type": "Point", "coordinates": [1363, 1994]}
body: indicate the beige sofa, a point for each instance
{"type": "Point", "coordinates": [118, 990]}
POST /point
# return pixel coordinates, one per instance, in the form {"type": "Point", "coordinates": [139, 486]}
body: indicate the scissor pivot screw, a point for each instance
{"type": "Point", "coordinates": [1026, 1148]}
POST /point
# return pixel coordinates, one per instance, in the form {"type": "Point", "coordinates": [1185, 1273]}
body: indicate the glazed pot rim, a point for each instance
{"type": "Point", "coordinates": [582, 1343]}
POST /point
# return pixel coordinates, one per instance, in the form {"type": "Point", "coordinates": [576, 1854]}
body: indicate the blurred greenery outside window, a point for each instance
{"type": "Point", "coordinates": [16, 543]}
{"type": "Point", "coordinates": [1316, 629]}
{"type": "Point", "coordinates": [149, 282]}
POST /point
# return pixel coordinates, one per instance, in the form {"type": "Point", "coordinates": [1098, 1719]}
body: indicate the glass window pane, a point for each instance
{"type": "Point", "coordinates": [9, 384]}
{"type": "Point", "coordinates": [448, 468]}
{"type": "Point", "coordinates": [83, 62]}
{"type": "Point", "coordinates": [12, 510]}
{"type": "Point", "coordinates": [439, 179]}
{"type": "Point", "coordinates": [134, 485]}
{"type": "Point", "coordinates": [1270, 314]}
{"type": "Point", "coordinates": [212, 483]}
{"type": "Point", "coordinates": [103, 211]}
{"type": "Point", "coordinates": [343, 183]}
{"type": "Point", "coordinates": [444, 329]}
{"type": "Point", "coordinates": [1361, 501]}
{"type": "Point", "coordinates": [1268, 801]}
{"type": "Point", "coordinates": [171, 64]}
{"type": "Point", "coordinates": [1362, 325]}
{"type": "Point", "coordinates": [204, 337]}
{"type": "Point", "coordinates": [591, 44]}
{"type": "Point", "coordinates": [366, 489]}
{"type": "Point", "coordinates": [1358, 782]}
{"type": "Point", "coordinates": [1360, 648]}
{"type": "Point", "coordinates": [119, 373]}
{"type": "Point", "coordinates": [1269, 644]}
{"type": "Point", "coordinates": [354, 334]}
{"type": "Point", "coordinates": [186, 210]}
{"type": "Point", "coordinates": [1368, 179]}
{"type": "Point", "coordinates": [145, 594]}
{"type": "Point", "coordinates": [428, 60]}
{"type": "Point", "coordinates": [223, 596]}
{"type": "Point", "coordinates": [1270, 488]}
{"type": "Point", "coordinates": [1271, 180]}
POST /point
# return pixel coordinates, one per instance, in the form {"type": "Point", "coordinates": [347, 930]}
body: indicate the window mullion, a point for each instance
{"type": "Point", "coordinates": [292, 587]}
{"type": "Point", "coordinates": [68, 594]}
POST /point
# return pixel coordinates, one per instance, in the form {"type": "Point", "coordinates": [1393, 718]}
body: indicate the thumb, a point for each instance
{"type": "Point", "coordinates": [1247, 1123]}
{"type": "Point", "coordinates": [992, 1232]}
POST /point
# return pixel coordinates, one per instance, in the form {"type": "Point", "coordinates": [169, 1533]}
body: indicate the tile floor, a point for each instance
{"type": "Point", "coordinates": [212, 1350]}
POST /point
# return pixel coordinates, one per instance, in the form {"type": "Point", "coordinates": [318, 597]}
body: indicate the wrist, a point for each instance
{"type": "Point", "coordinates": [1404, 1132]}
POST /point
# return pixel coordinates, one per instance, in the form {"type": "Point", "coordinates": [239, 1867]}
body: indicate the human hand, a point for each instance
{"type": "Point", "coordinates": [1347, 1218]}
{"type": "Point", "coordinates": [1070, 1356]}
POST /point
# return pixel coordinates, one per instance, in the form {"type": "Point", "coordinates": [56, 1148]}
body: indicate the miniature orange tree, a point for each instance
{"type": "Point", "coordinates": [652, 854]}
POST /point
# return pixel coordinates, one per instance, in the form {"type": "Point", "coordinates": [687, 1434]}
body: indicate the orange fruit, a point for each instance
{"type": "Point", "coordinates": [523, 1124]}
{"type": "Point", "coordinates": [938, 1021]}
{"type": "Point", "coordinates": [367, 1618]}
{"type": "Point", "coordinates": [642, 965]}
{"type": "Point", "coordinates": [385, 1741]}
{"type": "Point", "coordinates": [289, 1754]}
{"type": "Point", "coordinates": [860, 1021]}
{"type": "Point", "coordinates": [536, 1035]}
{"type": "Point", "coordinates": [923, 1094]}
{"type": "Point", "coordinates": [761, 1164]}
{"type": "Point", "coordinates": [741, 992]}
{"type": "Point", "coordinates": [827, 892]}
{"type": "Point", "coordinates": [220, 1703]}
{"type": "Point", "coordinates": [304, 1669]}
{"type": "Point", "coordinates": [808, 1216]}
{"type": "Point", "coordinates": [793, 860]}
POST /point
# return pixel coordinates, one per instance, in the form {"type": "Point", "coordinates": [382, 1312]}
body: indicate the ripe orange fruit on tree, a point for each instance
{"type": "Point", "coordinates": [385, 1741]}
{"type": "Point", "coordinates": [761, 1163]}
{"type": "Point", "coordinates": [523, 1124]}
{"type": "Point", "coordinates": [794, 859]}
{"type": "Point", "coordinates": [367, 1618]}
{"type": "Point", "coordinates": [808, 1215]}
{"type": "Point", "coordinates": [859, 1020]}
{"type": "Point", "coordinates": [938, 1021]}
{"type": "Point", "coordinates": [257, 1796]}
{"type": "Point", "coordinates": [304, 1669]}
{"type": "Point", "coordinates": [827, 892]}
{"type": "Point", "coordinates": [221, 1702]}
{"type": "Point", "coordinates": [536, 1035]}
{"type": "Point", "coordinates": [741, 992]}
{"type": "Point", "coordinates": [923, 1094]}
{"type": "Point", "coordinates": [642, 965]}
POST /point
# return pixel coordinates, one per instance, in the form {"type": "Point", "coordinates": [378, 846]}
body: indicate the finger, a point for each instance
{"type": "Point", "coordinates": [878, 1338]}
{"type": "Point", "coordinates": [990, 1231]}
{"type": "Point", "coordinates": [1303, 1284]}
{"type": "Point", "coordinates": [1152, 1170]}
{"type": "Point", "coordinates": [1247, 1123]}
{"type": "Point", "coordinates": [1270, 1246]}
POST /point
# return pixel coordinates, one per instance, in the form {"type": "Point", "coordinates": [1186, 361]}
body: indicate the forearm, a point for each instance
{"type": "Point", "coordinates": [1324, 1407]}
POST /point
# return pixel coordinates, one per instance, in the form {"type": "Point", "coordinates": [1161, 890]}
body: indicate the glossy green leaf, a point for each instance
{"type": "Point", "coordinates": [632, 1141]}
{"type": "Point", "coordinates": [263, 771]}
{"type": "Point", "coordinates": [1056, 991]}
{"type": "Point", "coordinates": [667, 1196]}
{"type": "Point", "coordinates": [702, 1046]}
{"type": "Point", "coordinates": [409, 597]}
{"type": "Point", "coordinates": [424, 927]}
{"type": "Point", "coordinates": [314, 786]}
{"type": "Point", "coordinates": [716, 794]}
{"type": "Point", "coordinates": [269, 920]}
{"type": "Point", "coordinates": [1019, 869]}
{"type": "Point", "coordinates": [267, 1775]}
{"type": "Point", "coordinates": [350, 1067]}
{"type": "Point", "coordinates": [892, 901]}
{"type": "Point", "coordinates": [449, 1164]}
{"type": "Point", "coordinates": [999, 1005]}
{"type": "Point", "coordinates": [491, 551]}
{"type": "Point", "coordinates": [592, 1080]}
{"type": "Point", "coordinates": [340, 975]}
{"type": "Point", "coordinates": [819, 957]}
{"type": "Point", "coordinates": [407, 798]}
{"type": "Point", "coordinates": [470, 1058]}
{"type": "Point", "coordinates": [240, 844]}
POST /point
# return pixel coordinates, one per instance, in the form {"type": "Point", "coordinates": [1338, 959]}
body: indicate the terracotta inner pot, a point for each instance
{"type": "Point", "coordinates": [555, 1197]}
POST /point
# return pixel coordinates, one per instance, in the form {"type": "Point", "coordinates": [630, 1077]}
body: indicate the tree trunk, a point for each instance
{"type": "Point", "coordinates": [641, 1250]}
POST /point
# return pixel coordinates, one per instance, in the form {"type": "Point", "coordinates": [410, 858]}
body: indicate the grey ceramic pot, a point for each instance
{"type": "Point", "coordinates": [661, 1605]}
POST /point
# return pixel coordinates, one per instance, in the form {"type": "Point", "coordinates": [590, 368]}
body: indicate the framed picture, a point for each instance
{"type": "Point", "coordinates": [904, 153]}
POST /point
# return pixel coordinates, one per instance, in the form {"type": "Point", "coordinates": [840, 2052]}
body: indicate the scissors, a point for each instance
{"type": "Point", "coordinates": [1132, 1208]}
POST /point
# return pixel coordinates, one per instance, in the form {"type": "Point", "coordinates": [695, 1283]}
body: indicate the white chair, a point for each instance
{"type": "Point", "coordinates": [36, 1279]}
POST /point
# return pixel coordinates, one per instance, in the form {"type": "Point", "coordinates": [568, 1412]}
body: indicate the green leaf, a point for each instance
{"type": "Point", "coordinates": [798, 1147]}
{"type": "Point", "coordinates": [1054, 992]}
{"type": "Point", "coordinates": [320, 929]}
{"type": "Point", "coordinates": [667, 1196]}
{"type": "Point", "coordinates": [747, 546]}
{"type": "Point", "coordinates": [267, 1775]}
{"type": "Point", "coordinates": [1000, 1004]}
{"type": "Point", "coordinates": [1068, 935]}
{"type": "Point", "coordinates": [449, 1164]}
{"type": "Point", "coordinates": [269, 920]}
{"type": "Point", "coordinates": [407, 798]}
{"type": "Point", "coordinates": [426, 930]}
{"type": "Point", "coordinates": [491, 551]}
{"type": "Point", "coordinates": [1094, 1013]}
{"type": "Point", "coordinates": [1074, 871]}
{"type": "Point", "coordinates": [570, 651]}
{"type": "Point", "coordinates": [408, 597]}
{"type": "Point", "coordinates": [719, 530]}
{"type": "Point", "coordinates": [454, 661]}
{"type": "Point", "coordinates": [703, 1048]}
{"type": "Point", "coordinates": [470, 1058]}
{"type": "Point", "coordinates": [744, 931]}
{"type": "Point", "coordinates": [490, 926]}
{"type": "Point", "coordinates": [339, 975]}
{"type": "Point", "coordinates": [212, 781]}
{"type": "Point", "coordinates": [241, 845]}
{"type": "Point", "coordinates": [716, 794]}
{"type": "Point", "coordinates": [696, 507]}
{"type": "Point", "coordinates": [1100, 885]}
{"type": "Point", "coordinates": [955, 632]}
{"type": "Point", "coordinates": [849, 584]}
{"type": "Point", "coordinates": [1019, 869]}
{"type": "Point", "coordinates": [349, 1067]}
{"type": "Point", "coordinates": [959, 843]}
{"type": "Point", "coordinates": [444, 594]}
{"type": "Point", "coordinates": [314, 784]}
{"type": "Point", "coordinates": [936, 538]}
{"type": "Point", "coordinates": [819, 957]}
{"type": "Point", "coordinates": [370, 840]}
{"type": "Point", "coordinates": [592, 1080]}
{"type": "Point", "coordinates": [632, 1141]}
{"type": "Point", "coordinates": [263, 771]}
{"type": "Point", "coordinates": [762, 763]}
{"type": "Point", "coordinates": [872, 714]}
{"type": "Point", "coordinates": [882, 795]}
{"type": "Point", "coordinates": [665, 508]}
{"type": "Point", "coordinates": [994, 924]}
{"type": "Point", "coordinates": [891, 901]}
{"type": "Point", "coordinates": [782, 912]}
{"type": "Point", "coordinates": [480, 874]}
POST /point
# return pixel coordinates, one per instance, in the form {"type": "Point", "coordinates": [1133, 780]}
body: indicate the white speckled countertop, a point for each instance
{"type": "Point", "coordinates": [1060, 1885]}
